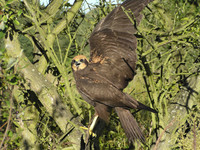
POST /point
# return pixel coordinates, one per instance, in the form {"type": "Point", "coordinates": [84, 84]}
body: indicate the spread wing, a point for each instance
{"type": "Point", "coordinates": [113, 43]}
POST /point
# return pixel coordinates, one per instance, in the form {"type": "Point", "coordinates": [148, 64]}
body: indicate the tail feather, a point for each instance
{"type": "Point", "coordinates": [129, 125]}
{"type": "Point", "coordinates": [138, 105]}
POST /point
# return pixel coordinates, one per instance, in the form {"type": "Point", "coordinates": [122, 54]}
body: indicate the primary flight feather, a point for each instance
{"type": "Point", "coordinates": [112, 64]}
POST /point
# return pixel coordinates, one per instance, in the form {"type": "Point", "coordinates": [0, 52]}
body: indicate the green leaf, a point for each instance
{"type": "Point", "coordinates": [9, 2]}
{"type": "Point", "coordinates": [8, 103]}
{"type": "Point", "coordinates": [5, 114]}
{"type": "Point", "coordinates": [16, 22]}
{"type": "Point", "coordinates": [16, 123]}
{"type": "Point", "coordinates": [10, 77]}
{"type": "Point", "coordinates": [4, 19]}
{"type": "Point", "coordinates": [1, 33]}
{"type": "Point", "coordinates": [19, 12]}
{"type": "Point", "coordinates": [10, 133]}
{"type": "Point", "coordinates": [2, 27]}
{"type": "Point", "coordinates": [2, 51]}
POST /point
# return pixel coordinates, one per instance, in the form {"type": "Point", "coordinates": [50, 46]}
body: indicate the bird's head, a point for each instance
{"type": "Point", "coordinates": [79, 63]}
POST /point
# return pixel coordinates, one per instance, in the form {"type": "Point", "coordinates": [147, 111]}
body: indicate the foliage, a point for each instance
{"type": "Point", "coordinates": [8, 80]}
{"type": "Point", "coordinates": [50, 36]}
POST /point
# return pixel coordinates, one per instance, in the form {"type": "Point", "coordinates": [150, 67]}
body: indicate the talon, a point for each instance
{"type": "Point", "coordinates": [89, 131]}
{"type": "Point", "coordinates": [84, 128]}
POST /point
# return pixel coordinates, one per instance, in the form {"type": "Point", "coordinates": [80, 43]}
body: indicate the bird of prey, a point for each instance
{"type": "Point", "coordinates": [111, 66]}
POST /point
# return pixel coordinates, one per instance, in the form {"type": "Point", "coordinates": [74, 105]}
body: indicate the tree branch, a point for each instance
{"type": "Point", "coordinates": [45, 91]}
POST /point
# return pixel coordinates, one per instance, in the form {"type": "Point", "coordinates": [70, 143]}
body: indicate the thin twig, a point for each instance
{"type": "Point", "coordinates": [8, 122]}
{"type": "Point", "coordinates": [161, 135]}
{"type": "Point", "coordinates": [3, 125]}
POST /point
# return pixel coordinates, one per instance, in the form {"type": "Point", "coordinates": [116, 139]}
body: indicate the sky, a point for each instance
{"type": "Point", "coordinates": [45, 2]}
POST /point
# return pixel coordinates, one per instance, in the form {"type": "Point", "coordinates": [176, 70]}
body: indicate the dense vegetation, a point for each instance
{"type": "Point", "coordinates": [40, 107]}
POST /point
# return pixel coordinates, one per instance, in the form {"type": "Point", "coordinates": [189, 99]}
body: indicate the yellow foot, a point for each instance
{"type": "Point", "coordinates": [89, 131]}
{"type": "Point", "coordinates": [92, 134]}
{"type": "Point", "coordinates": [84, 128]}
{"type": "Point", "coordinates": [91, 128]}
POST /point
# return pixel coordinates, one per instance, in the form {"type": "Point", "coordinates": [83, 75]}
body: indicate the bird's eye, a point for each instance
{"type": "Point", "coordinates": [81, 60]}
{"type": "Point", "coordinates": [73, 61]}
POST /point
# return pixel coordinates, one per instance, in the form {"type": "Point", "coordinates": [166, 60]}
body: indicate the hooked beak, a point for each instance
{"type": "Point", "coordinates": [77, 63]}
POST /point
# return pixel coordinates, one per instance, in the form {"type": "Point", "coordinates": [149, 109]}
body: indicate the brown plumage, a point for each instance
{"type": "Point", "coordinates": [112, 63]}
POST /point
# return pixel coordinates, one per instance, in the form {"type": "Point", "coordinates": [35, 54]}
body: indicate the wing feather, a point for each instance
{"type": "Point", "coordinates": [96, 89]}
{"type": "Point", "coordinates": [113, 43]}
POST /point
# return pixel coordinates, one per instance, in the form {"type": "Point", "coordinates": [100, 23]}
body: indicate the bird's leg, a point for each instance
{"type": "Point", "coordinates": [95, 128]}
{"type": "Point", "coordinates": [90, 129]}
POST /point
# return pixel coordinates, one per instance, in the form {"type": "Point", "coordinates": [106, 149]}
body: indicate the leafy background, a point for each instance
{"type": "Point", "coordinates": [40, 107]}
